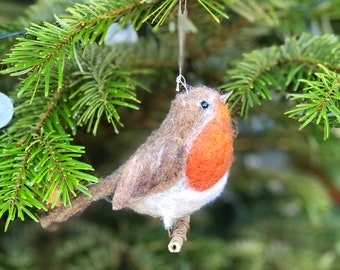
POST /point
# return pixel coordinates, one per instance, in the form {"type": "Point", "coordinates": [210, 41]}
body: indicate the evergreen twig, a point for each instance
{"type": "Point", "coordinates": [284, 68]}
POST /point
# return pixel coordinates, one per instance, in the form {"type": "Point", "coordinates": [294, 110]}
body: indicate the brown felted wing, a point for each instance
{"type": "Point", "coordinates": [155, 166]}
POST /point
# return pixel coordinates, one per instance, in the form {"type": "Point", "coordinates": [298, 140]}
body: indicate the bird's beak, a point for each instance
{"type": "Point", "coordinates": [225, 97]}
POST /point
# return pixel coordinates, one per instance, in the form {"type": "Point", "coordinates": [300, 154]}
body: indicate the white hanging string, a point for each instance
{"type": "Point", "coordinates": [182, 14]}
{"type": "Point", "coordinates": [182, 17]}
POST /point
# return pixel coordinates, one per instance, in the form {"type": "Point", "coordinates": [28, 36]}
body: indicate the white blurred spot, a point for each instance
{"type": "Point", "coordinates": [76, 116]}
{"type": "Point", "coordinates": [336, 132]}
{"type": "Point", "coordinates": [291, 209]}
{"type": "Point", "coordinates": [6, 110]}
{"type": "Point", "coordinates": [172, 27]}
{"type": "Point", "coordinates": [276, 186]}
{"type": "Point", "coordinates": [117, 34]}
{"type": "Point", "coordinates": [253, 161]}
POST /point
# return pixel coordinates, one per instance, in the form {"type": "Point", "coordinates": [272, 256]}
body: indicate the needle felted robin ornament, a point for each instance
{"type": "Point", "coordinates": [180, 168]}
{"type": "Point", "coordinates": [185, 163]}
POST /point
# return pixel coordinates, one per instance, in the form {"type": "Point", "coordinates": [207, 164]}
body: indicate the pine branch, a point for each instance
{"type": "Point", "coordinates": [320, 101]}
{"type": "Point", "coordinates": [50, 45]}
{"type": "Point", "coordinates": [282, 68]}
{"type": "Point", "coordinates": [215, 7]}
{"type": "Point", "coordinates": [44, 163]}
{"type": "Point", "coordinates": [100, 87]}
{"type": "Point", "coordinates": [42, 125]}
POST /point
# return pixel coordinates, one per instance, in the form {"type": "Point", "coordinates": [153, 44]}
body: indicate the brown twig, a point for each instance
{"type": "Point", "coordinates": [179, 234]}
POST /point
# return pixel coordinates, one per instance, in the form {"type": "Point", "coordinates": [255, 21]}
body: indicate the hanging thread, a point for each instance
{"type": "Point", "coordinates": [182, 17]}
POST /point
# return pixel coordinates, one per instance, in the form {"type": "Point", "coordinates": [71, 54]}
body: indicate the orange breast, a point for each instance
{"type": "Point", "coordinates": [211, 153]}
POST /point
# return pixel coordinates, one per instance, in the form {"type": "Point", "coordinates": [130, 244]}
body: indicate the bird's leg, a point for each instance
{"type": "Point", "coordinates": [178, 234]}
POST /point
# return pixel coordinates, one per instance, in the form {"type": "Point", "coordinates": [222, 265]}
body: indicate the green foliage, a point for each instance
{"type": "Point", "coordinates": [101, 87]}
{"type": "Point", "coordinates": [283, 68]}
{"type": "Point", "coordinates": [38, 137]}
{"type": "Point", "coordinates": [215, 8]}
{"type": "Point", "coordinates": [40, 168]}
{"type": "Point", "coordinates": [323, 96]}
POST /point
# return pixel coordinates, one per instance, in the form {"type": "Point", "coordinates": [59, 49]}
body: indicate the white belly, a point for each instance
{"type": "Point", "coordinates": [177, 202]}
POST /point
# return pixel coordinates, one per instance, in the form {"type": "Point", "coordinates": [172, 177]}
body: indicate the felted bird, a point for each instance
{"type": "Point", "coordinates": [185, 163]}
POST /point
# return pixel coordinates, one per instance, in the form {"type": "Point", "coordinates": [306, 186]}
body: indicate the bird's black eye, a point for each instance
{"type": "Point", "coordinates": [204, 104]}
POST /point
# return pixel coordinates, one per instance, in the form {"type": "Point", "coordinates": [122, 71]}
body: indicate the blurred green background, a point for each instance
{"type": "Point", "coordinates": [280, 209]}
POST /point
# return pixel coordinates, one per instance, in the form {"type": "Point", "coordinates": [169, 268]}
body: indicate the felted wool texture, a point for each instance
{"type": "Point", "coordinates": [211, 152]}
{"type": "Point", "coordinates": [160, 162]}
{"type": "Point", "coordinates": [178, 201]}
